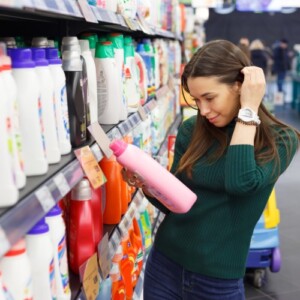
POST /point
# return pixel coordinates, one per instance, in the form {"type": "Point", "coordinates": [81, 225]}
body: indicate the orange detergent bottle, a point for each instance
{"type": "Point", "coordinates": [127, 264]}
{"type": "Point", "coordinates": [111, 169]}
{"type": "Point", "coordinates": [137, 243]}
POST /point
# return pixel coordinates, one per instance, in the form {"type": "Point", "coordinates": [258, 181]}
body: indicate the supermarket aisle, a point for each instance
{"type": "Point", "coordinates": [285, 285]}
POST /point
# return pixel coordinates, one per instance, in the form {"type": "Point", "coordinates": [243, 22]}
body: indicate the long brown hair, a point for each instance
{"type": "Point", "coordinates": [222, 59]}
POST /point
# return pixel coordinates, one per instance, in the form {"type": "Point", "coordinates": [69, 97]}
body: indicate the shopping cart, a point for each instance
{"type": "Point", "coordinates": [264, 248]}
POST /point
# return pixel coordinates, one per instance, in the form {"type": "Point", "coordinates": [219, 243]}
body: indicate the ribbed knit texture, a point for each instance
{"type": "Point", "coordinates": [213, 238]}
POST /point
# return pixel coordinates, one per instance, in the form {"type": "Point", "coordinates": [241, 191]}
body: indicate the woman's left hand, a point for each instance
{"type": "Point", "coordinates": [253, 88]}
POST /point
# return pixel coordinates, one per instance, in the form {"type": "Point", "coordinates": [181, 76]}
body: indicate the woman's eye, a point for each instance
{"type": "Point", "coordinates": [209, 98]}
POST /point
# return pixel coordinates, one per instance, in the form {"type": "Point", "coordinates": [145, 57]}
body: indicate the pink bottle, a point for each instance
{"type": "Point", "coordinates": [162, 184]}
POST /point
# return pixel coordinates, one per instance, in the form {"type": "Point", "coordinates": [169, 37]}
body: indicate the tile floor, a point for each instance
{"type": "Point", "coordinates": [285, 285]}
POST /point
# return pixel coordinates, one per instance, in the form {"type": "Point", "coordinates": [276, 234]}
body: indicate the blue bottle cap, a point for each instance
{"type": "Point", "coordinates": [52, 56]}
{"type": "Point", "coordinates": [21, 58]}
{"type": "Point", "coordinates": [40, 227]}
{"type": "Point", "coordinates": [55, 211]}
{"type": "Point", "coordinates": [39, 57]}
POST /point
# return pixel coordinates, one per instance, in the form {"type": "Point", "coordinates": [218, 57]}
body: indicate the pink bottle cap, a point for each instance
{"type": "Point", "coordinates": [118, 147]}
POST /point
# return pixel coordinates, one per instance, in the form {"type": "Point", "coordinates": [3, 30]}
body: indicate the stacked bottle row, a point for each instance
{"type": "Point", "coordinates": [167, 14]}
{"type": "Point", "coordinates": [48, 102]}
{"type": "Point", "coordinates": [37, 267]}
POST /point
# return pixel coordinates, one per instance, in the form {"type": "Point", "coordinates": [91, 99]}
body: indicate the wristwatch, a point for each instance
{"type": "Point", "coordinates": [248, 116]}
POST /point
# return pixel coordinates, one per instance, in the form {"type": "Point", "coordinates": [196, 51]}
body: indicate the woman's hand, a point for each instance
{"type": "Point", "coordinates": [132, 178]}
{"type": "Point", "coordinates": [135, 180]}
{"type": "Point", "coordinates": [253, 88]}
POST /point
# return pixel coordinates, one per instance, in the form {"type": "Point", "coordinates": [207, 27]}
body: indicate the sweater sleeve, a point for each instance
{"type": "Point", "coordinates": [184, 132]}
{"type": "Point", "coordinates": [245, 176]}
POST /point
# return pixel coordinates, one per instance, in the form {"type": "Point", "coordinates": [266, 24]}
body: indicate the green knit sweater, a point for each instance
{"type": "Point", "coordinates": [213, 238]}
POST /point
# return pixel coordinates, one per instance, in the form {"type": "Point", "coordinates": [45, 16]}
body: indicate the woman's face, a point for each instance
{"type": "Point", "coordinates": [218, 102]}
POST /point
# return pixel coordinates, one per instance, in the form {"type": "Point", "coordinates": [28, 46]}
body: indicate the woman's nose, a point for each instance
{"type": "Point", "coordinates": [204, 109]}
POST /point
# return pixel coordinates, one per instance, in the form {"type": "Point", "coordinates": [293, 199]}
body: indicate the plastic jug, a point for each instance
{"type": "Point", "coordinates": [161, 183]}
{"type": "Point", "coordinates": [16, 272]}
{"type": "Point", "coordinates": [111, 169]}
{"type": "Point", "coordinates": [30, 112]}
{"type": "Point", "coordinates": [48, 104]}
{"type": "Point", "coordinates": [57, 230]}
{"type": "Point", "coordinates": [40, 252]}
{"type": "Point", "coordinates": [81, 227]}
{"type": "Point", "coordinates": [60, 95]}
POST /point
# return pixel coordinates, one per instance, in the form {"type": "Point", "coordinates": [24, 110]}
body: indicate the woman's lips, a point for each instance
{"type": "Point", "coordinates": [212, 120]}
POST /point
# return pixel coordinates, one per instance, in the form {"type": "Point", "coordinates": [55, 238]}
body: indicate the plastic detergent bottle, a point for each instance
{"type": "Point", "coordinates": [124, 194]}
{"type": "Point", "coordinates": [16, 273]}
{"type": "Point", "coordinates": [92, 39]}
{"type": "Point", "coordinates": [48, 104]}
{"type": "Point", "coordinates": [60, 95]}
{"type": "Point", "coordinates": [57, 230]}
{"type": "Point", "coordinates": [161, 183]}
{"type": "Point", "coordinates": [132, 88]}
{"type": "Point", "coordinates": [40, 252]}
{"type": "Point", "coordinates": [8, 188]}
{"type": "Point", "coordinates": [72, 65]}
{"type": "Point", "coordinates": [39, 42]}
{"type": "Point", "coordinates": [137, 243]}
{"type": "Point", "coordinates": [127, 264]}
{"type": "Point", "coordinates": [108, 98]}
{"type": "Point", "coordinates": [112, 213]}
{"type": "Point", "coordinates": [118, 291]}
{"type": "Point", "coordinates": [92, 80]}
{"type": "Point", "coordinates": [13, 114]}
{"type": "Point", "coordinates": [117, 40]}
{"type": "Point", "coordinates": [143, 77]}
{"type": "Point", "coordinates": [9, 41]}
{"type": "Point", "coordinates": [30, 112]}
{"type": "Point", "coordinates": [145, 223]}
{"type": "Point", "coordinates": [81, 227]}
{"type": "Point", "coordinates": [97, 213]}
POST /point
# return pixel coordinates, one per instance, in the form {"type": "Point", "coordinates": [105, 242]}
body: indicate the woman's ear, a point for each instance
{"type": "Point", "coordinates": [237, 87]}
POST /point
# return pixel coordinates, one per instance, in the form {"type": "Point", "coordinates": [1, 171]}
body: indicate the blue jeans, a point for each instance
{"type": "Point", "coordinates": [166, 280]}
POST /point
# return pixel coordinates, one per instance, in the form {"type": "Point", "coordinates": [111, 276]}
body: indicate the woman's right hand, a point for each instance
{"type": "Point", "coordinates": [135, 180]}
{"type": "Point", "coordinates": [253, 88]}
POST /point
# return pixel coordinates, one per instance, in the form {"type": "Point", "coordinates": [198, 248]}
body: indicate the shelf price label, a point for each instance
{"type": "Point", "coordinates": [104, 257]}
{"type": "Point", "coordinates": [87, 11]}
{"type": "Point", "coordinates": [62, 184]}
{"type": "Point", "coordinates": [45, 198]}
{"type": "Point", "coordinates": [142, 112]}
{"type": "Point", "coordinates": [101, 138]}
{"type": "Point", "coordinates": [91, 278]}
{"type": "Point", "coordinates": [90, 166]}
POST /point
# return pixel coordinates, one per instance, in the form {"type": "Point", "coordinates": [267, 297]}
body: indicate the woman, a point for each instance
{"type": "Point", "coordinates": [258, 55]}
{"type": "Point", "coordinates": [230, 154]}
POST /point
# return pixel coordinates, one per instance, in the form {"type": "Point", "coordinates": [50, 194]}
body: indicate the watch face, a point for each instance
{"type": "Point", "coordinates": [247, 113]}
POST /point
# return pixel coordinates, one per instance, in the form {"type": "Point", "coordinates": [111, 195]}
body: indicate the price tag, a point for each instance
{"type": "Point", "coordinates": [62, 184]}
{"type": "Point", "coordinates": [90, 166]}
{"type": "Point", "coordinates": [112, 16]}
{"type": "Point", "coordinates": [121, 20]}
{"type": "Point", "coordinates": [101, 138]}
{"type": "Point", "coordinates": [40, 4]}
{"type": "Point", "coordinates": [87, 11]}
{"type": "Point", "coordinates": [142, 112]}
{"type": "Point", "coordinates": [114, 242]}
{"type": "Point", "coordinates": [125, 127]}
{"type": "Point", "coordinates": [129, 23]}
{"type": "Point", "coordinates": [52, 5]}
{"type": "Point", "coordinates": [134, 119]}
{"type": "Point", "coordinates": [69, 8]}
{"type": "Point", "coordinates": [104, 257]}
{"type": "Point", "coordinates": [96, 12]}
{"type": "Point", "coordinates": [45, 198]}
{"type": "Point", "coordinates": [104, 15]}
{"type": "Point", "coordinates": [4, 243]}
{"type": "Point", "coordinates": [91, 278]}
{"type": "Point", "coordinates": [114, 133]}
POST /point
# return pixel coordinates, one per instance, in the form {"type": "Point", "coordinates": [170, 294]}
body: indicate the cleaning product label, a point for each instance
{"type": "Point", "coordinates": [52, 279]}
{"type": "Point", "coordinates": [18, 136]}
{"type": "Point", "coordinates": [63, 265]}
{"type": "Point", "coordinates": [10, 144]}
{"type": "Point", "coordinates": [64, 108]}
{"type": "Point", "coordinates": [40, 110]}
{"type": "Point", "coordinates": [102, 92]}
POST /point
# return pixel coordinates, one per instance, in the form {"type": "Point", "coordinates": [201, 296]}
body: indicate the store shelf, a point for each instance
{"type": "Point", "coordinates": [65, 18]}
{"type": "Point", "coordinates": [42, 192]}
